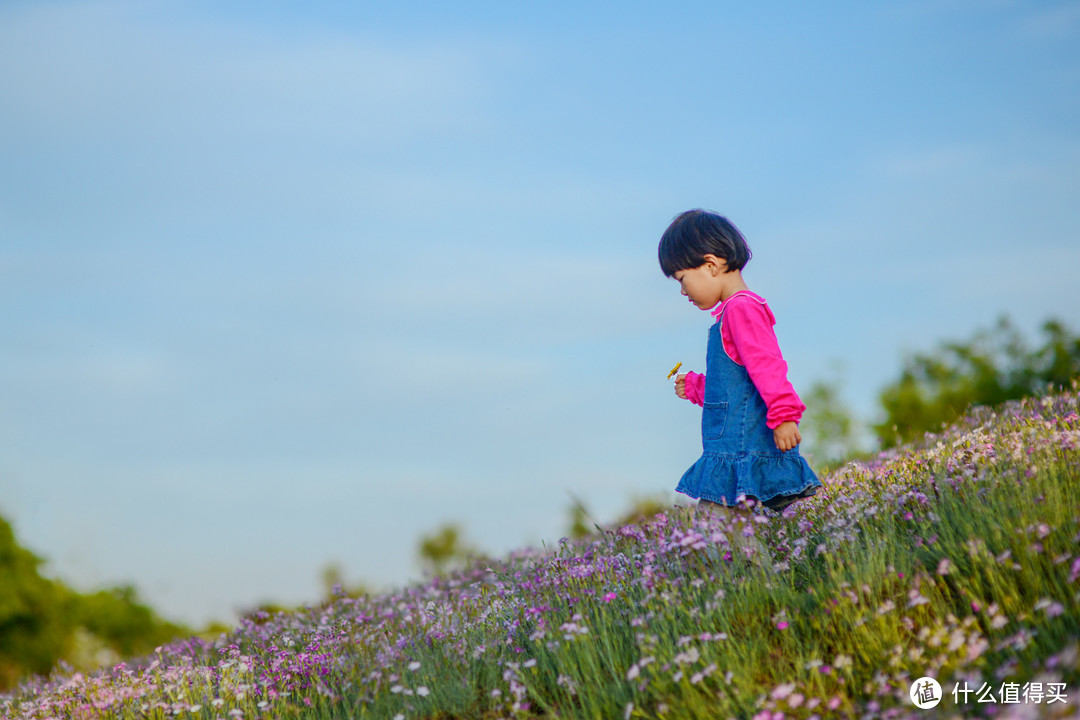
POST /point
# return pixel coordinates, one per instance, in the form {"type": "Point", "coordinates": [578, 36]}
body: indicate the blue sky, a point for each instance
{"type": "Point", "coordinates": [289, 284]}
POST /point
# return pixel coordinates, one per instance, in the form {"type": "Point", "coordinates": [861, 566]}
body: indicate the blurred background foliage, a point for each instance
{"type": "Point", "coordinates": [935, 388]}
{"type": "Point", "coordinates": [830, 432]}
{"type": "Point", "coordinates": [994, 366]}
{"type": "Point", "coordinates": [44, 623]}
{"type": "Point", "coordinates": [444, 549]}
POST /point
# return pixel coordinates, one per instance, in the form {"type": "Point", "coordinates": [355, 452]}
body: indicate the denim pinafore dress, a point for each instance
{"type": "Point", "coordinates": [740, 458]}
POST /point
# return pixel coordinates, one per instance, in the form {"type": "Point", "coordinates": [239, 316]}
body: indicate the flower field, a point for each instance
{"type": "Point", "coordinates": [957, 558]}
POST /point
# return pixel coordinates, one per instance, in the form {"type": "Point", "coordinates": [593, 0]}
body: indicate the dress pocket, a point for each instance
{"type": "Point", "coordinates": [713, 419]}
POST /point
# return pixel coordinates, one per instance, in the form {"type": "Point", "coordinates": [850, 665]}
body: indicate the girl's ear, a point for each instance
{"type": "Point", "coordinates": [717, 265]}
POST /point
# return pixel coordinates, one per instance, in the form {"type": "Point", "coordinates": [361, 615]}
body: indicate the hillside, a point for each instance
{"type": "Point", "coordinates": [956, 557]}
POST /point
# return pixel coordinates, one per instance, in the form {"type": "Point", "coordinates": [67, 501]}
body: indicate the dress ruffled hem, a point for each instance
{"type": "Point", "coordinates": [775, 479]}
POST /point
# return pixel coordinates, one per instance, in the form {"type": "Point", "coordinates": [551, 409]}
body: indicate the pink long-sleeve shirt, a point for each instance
{"type": "Point", "coordinates": [749, 340]}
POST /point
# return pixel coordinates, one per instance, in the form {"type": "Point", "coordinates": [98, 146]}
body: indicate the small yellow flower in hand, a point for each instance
{"type": "Point", "coordinates": [674, 370]}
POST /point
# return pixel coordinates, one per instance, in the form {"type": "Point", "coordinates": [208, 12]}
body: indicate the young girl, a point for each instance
{"type": "Point", "coordinates": [749, 424]}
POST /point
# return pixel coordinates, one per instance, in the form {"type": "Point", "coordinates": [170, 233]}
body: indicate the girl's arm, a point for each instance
{"type": "Point", "coordinates": [751, 325]}
{"type": "Point", "coordinates": [691, 386]}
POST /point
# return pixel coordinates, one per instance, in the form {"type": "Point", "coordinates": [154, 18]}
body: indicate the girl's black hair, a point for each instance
{"type": "Point", "coordinates": [696, 233]}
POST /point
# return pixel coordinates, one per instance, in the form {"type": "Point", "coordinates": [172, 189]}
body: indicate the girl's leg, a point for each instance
{"type": "Point", "coordinates": [740, 510]}
{"type": "Point", "coordinates": [738, 517]}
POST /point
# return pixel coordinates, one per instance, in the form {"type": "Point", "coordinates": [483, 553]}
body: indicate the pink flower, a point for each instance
{"type": "Point", "coordinates": [609, 597]}
{"type": "Point", "coordinates": [781, 625]}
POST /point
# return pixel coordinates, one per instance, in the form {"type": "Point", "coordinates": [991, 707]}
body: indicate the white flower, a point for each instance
{"type": "Point", "coordinates": [689, 657]}
{"type": "Point", "coordinates": [422, 691]}
{"type": "Point", "coordinates": [414, 665]}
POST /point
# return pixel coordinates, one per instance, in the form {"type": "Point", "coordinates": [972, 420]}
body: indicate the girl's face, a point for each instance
{"type": "Point", "coordinates": [705, 284]}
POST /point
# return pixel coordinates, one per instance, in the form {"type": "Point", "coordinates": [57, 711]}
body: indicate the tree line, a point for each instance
{"type": "Point", "coordinates": [43, 622]}
{"type": "Point", "coordinates": [936, 387]}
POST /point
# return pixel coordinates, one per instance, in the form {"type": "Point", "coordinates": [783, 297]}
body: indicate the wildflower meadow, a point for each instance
{"type": "Point", "coordinates": [955, 558]}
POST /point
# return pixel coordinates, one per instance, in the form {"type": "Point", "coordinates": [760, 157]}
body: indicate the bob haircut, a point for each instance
{"type": "Point", "coordinates": [696, 233]}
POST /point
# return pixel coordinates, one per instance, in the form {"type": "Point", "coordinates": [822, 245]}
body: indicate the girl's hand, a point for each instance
{"type": "Point", "coordinates": [680, 385]}
{"type": "Point", "coordinates": [787, 436]}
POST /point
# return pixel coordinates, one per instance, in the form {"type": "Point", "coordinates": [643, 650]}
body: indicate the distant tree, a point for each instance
{"type": "Point", "coordinates": [35, 629]}
{"type": "Point", "coordinates": [334, 584]}
{"type": "Point", "coordinates": [123, 622]}
{"type": "Point", "coordinates": [829, 429]}
{"type": "Point", "coordinates": [991, 368]}
{"type": "Point", "coordinates": [581, 523]}
{"type": "Point", "coordinates": [1058, 360]}
{"type": "Point", "coordinates": [443, 548]}
{"type": "Point", "coordinates": [641, 509]}
{"type": "Point", "coordinates": [43, 622]}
